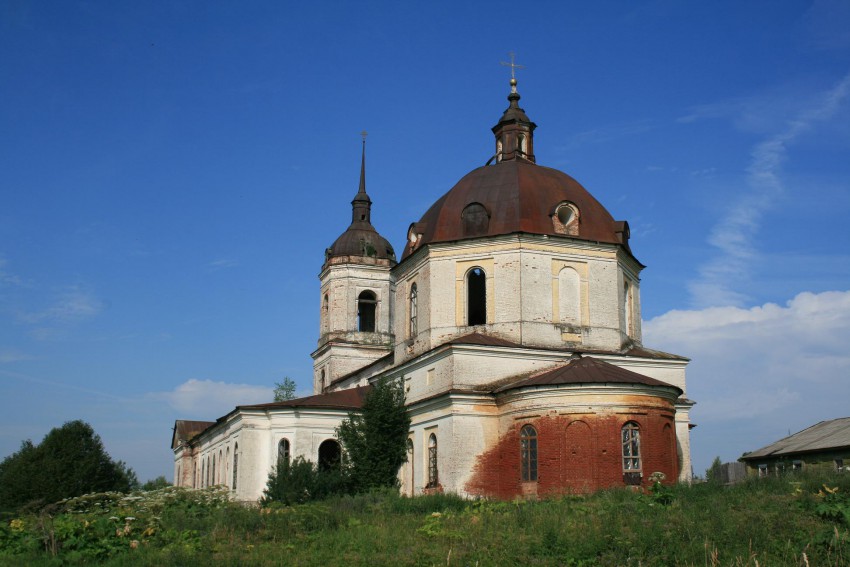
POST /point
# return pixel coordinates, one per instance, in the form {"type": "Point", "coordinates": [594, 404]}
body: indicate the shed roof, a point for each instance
{"type": "Point", "coordinates": [823, 436]}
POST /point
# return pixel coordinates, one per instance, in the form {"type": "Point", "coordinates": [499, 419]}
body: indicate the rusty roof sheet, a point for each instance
{"type": "Point", "coordinates": [350, 399]}
{"type": "Point", "coordinates": [482, 340]}
{"type": "Point", "coordinates": [489, 340]}
{"type": "Point", "coordinates": [823, 436]}
{"type": "Point", "coordinates": [585, 370]}
{"type": "Point", "coordinates": [519, 196]}
{"type": "Point", "coordinates": [185, 430]}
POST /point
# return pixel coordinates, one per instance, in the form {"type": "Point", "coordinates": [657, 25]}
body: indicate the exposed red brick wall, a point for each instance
{"type": "Point", "coordinates": [576, 453]}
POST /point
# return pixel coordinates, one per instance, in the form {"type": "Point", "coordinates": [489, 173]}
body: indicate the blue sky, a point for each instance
{"type": "Point", "coordinates": [171, 172]}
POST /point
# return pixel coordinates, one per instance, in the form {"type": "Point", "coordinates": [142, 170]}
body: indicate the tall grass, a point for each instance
{"type": "Point", "coordinates": [764, 522]}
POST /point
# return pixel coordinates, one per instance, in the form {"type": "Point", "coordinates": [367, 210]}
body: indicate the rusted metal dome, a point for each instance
{"type": "Point", "coordinates": [361, 240]}
{"type": "Point", "coordinates": [516, 196]}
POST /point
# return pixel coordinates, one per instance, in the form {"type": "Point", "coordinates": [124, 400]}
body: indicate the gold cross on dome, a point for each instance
{"type": "Point", "coordinates": [512, 65]}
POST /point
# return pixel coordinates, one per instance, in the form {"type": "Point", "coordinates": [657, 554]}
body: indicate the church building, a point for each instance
{"type": "Point", "coordinates": [513, 318]}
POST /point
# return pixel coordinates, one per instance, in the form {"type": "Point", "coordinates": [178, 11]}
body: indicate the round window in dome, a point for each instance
{"type": "Point", "coordinates": [565, 219]}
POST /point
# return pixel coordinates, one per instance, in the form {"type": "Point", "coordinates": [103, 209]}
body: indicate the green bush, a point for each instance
{"type": "Point", "coordinates": [300, 481]}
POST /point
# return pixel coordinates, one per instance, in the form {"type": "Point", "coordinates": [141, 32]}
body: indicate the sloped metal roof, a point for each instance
{"type": "Point", "coordinates": [586, 370]}
{"type": "Point", "coordinates": [823, 436]}
{"type": "Point", "coordinates": [185, 430]}
{"type": "Point", "coordinates": [350, 399]}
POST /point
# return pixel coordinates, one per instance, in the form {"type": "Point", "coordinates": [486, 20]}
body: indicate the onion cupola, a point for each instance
{"type": "Point", "coordinates": [360, 243]}
{"type": "Point", "coordinates": [512, 194]}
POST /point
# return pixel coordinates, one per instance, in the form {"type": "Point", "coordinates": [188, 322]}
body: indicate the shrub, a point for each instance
{"type": "Point", "coordinates": [300, 481]}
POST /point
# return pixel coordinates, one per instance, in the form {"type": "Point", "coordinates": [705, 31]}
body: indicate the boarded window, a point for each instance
{"type": "Point", "coordinates": [569, 296]}
{"type": "Point", "coordinates": [366, 303]}
{"type": "Point", "coordinates": [476, 297]}
{"type": "Point", "coordinates": [476, 220]}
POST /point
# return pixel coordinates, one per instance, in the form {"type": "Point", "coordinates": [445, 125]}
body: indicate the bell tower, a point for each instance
{"type": "Point", "coordinates": [355, 318]}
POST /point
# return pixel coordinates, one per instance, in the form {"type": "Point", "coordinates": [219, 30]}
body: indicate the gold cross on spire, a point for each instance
{"type": "Point", "coordinates": [512, 65]}
{"type": "Point", "coordinates": [364, 133]}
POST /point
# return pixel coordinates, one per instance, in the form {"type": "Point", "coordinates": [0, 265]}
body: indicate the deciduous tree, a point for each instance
{"type": "Point", "coordinates": [69, 461]}
{"type": "Point", "coordinates": [375, 438]}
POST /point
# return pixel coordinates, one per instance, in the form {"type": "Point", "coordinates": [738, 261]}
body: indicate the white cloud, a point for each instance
{"type": "Point", "coordinates": [208, 399]}
{"type": "Point", "coordinates": [608, 133]}
{"type": "Point", "coordinates": [5, 277]}
{"type": "Point", "coordinates": [734, 234]}
{"type": "Point", "coordinates": [222, 263]}
{"type": "Point", "coordinates": [71, 305]}
{"type": "Point", "coordinates": [758, 372]}
{"type": "Point", "coordinates": [12, 355]}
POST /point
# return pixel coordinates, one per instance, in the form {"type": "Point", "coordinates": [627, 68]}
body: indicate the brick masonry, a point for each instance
{"type": "Point", "coordinates": [576, 454]}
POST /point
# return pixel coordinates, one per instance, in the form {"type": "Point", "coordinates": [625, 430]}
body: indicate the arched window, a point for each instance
{"type": "Point", "coordinates": [235, 464]}
{"type": "Point", "coordinates": [476, 297]}
{"type": "Point", "coordinates": [203, 472]}
{"type": "Point", "coordinates": [330, 455]}
{"type": "Point", "coordinates": [212, 473]}
{"type": "Point", "coordinates": [475, 219]}
{"type": "Point", "coordinates": [322, 384]}
{"type": "Point", "coordinates": [283, 452]}
{"type": "Point", "coordinates": [631, 447]}
{"type": "Point", "coordinates": [325, 322]}
{"type": "Point", "coordinates": [569, 296]}
{"type": "Point", "coordinates": [178, 481]}
{"type": "Point", "coordinates": [226, 464]}
{"type": "Point", "coordinates": [521, 145]}
{"type": "Point", "coordinates": [366, 303]}
{"type": "Point", "coordinates": [528, 453]}
{"type": "Point", "coordinates": [498, 151]}
{"type": "Point", "coordinates": [220, 468]}
{"type": "Point", "coordinates": [414, 310]}
{"type": "Point", "coordinates": [207, 479]}
{"type": "Point", "coordinates": [433, 478]}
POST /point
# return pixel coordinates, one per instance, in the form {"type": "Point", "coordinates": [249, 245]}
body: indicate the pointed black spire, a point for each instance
{"type": "Point", "coordinates": [361, 206]}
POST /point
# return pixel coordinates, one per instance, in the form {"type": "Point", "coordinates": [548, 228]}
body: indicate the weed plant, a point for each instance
{"type": "Point", "coordinates": [789, 520]}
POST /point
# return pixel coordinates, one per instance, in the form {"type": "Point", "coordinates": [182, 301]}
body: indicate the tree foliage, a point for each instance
{"type": "Point", "coordinates": [299, 481]}
{"type": "Point", "coordinates": [712, 474]}
{"type": "Point", "coordinates": [375, 438]}
{"type": "Point", "coordinates": [69, 461]}
{"type": "Point", "coordinates": [284, 390]}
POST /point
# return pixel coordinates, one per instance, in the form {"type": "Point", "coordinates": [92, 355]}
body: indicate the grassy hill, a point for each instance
{"type": "Point", "coordinates": [793, 520]}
